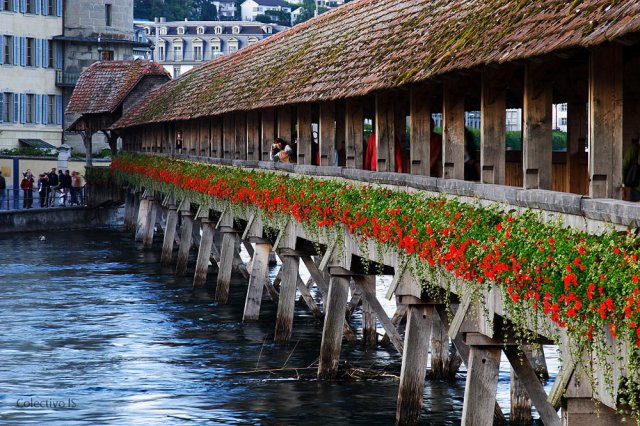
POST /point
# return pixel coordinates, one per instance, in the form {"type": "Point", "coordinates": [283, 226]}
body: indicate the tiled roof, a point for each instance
{"type": "Point", "coordinates": [103, 86]}
{"type": "Point", "coordinates": [368, 45]}
{"type": "Point", "coordinates": [271, 3]}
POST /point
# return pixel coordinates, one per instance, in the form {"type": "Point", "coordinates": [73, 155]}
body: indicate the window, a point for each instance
{"type": "Point", "coordinates": [563, 107]}
{"type": "Point", "coordinates": [267, 29]}
{"type": "Point", "coordinates": [106, 55]}
{"type": "Point", "coordinates": [233, 45]}
{"type": "Point", "coordinates": [6, 107]}
{"type": "Point", "coordinates": [176, 72]}
{"type": "Point", "coordinates": [161, 52]}
{"type": "Point", "coordinates": [31, 6]}
{"type": "Point", "coordinates": [252, 40]}
{"type": "Point", "coordinates": [218, 30]}
{"type": "Point", "coordinates": [200, 30]}
{"type": "Point", "coordinates": [163, 30]}
{"type": "Point", "coordinates": [49, 7]}
{"type": "Point", "coordinates": [215, 48]}
{"type": "Point", "coordinates": [563, 121]}
{"type": "Point", "coordinates": [197, 52]}
{"type": "Point", "coordinates": [180, 30]}
{"type": "Point", "coordinates": [107, 15]}
{"type": "Point", "coordinates": [30, 109]}
{"type": "Point", "coordinates": [147, 30]}
{"type": "Point", "coordinates": [50, 53]}
{"type": "Point", "coordinates": [177, 50]}
{"type": "Point", "coordinates": [50, 112]}
{"type": "Point", "coordinates": [7, 46]}
{"type": "Point", "coordinates": [235, 29]}
{"type": "Point", "coordinates": [6, 5]}
{"type": "Point", "coordinates": [31, 52]}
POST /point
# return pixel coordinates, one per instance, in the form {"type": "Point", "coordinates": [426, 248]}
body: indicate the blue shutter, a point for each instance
{"type": "Point", "coordinates": [1, 5]}
{"type": "Point", "coordinates": [58, 7]}
{"type": "Point", "coordinates": [16, 5]}
{"type": "Point", "coordinates": [1, 45]}
{"type": "Point", "coordinates": [23, 109]}
{"type": "Point", "coordinates": [38, 108]}
{"type": "Point", "coordinates": [2, 107]}
{"type": "Point", "coordinates": [45, 53]}
{"type": "Point", "coordinates": [16, 50]}
{"type": "Point", "coordinates": [16, 107]}
{"type": "Point", "coordinates": [58, 109]}
{"type": "Point", "coordinates": [38, 8]}
{"type": "Point", "coordinates": [23, 51]}
{"type": "Point", "coordinates": [38, 52]}
{"type": "Point", "coordinates": [45, 98]}
{"type": "Point", "coordinates": [58, 56]}
{"type": "Point", "coordinates": [45, 7]}
{"type": "Point", "coordinates": [23, 6]}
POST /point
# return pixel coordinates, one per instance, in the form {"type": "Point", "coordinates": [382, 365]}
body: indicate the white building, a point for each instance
{"type": "Point", "coordinates": [226, 9]}
{"type": "Point", "coordinates": [30, 102]}
{"type": "Point", "coordinates": [181, 45]}
{"type": "Point", "coordinates": [249, 9]}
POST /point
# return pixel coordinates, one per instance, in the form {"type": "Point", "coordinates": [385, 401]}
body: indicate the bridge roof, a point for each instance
{"type": "Point", "coordinates": [104, 85]}
{"type": "Point", "coordinates": [368, 45]}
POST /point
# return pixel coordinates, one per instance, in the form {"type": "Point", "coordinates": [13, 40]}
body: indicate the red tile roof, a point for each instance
{"type": "Point", "coordinates": [104, 85]}
{"type": "Point", "coordinates": [368, 45]}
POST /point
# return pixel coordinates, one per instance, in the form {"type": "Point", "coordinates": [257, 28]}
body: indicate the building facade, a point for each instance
{"type": "Point", "coordinates": [182, 45]}
{"type": "Point", "coordinates": [226, 9]}
{"type": "Point", "coordinates": [30, 102]}
{"type": "Point", "coordinates": [249, 9]}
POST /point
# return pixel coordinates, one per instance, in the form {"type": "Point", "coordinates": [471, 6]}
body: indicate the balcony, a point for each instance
{"type": "Point", "coordinates": [66, 78]}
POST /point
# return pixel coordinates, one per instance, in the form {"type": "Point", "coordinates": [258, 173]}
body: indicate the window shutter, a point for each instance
{"type": "Point", "coordinates": [16, 50]}
{"type": "Point", "coordinates": [16, 107]}
{"type": "Point", "coordinates": [45, 98]}
{"type": "Point", "coordinates": [16, 5]}
{"type": "Point", "coordinates": [38, 108]}
{"type": "Point", "coordinates": [38, 52]}
{"type": "Point", "coordinates": [2, 107]}
{"type": "Point", "coordinates": [23, 109]}
{"type": "Point", "coordinates": [38, 8]}
{"type": "Point", "coordinates": [1, 5]}
{"type": "Point", "coordinates": [58, 109]}
{"type": "Point", "coordinates": [58, 7]}
{"type": "Point", "coordinates": [23, 51]}
{"type": "Point", "coordinates": [58, 56]}
{"type": "Point", "coordinates": [45, 7]}
{"type": "Point", "coordinates": [23, 6]}
{"type": "Point", "coordinates": [45, 53]}
{"type": "Point", "coordinates": [1, 45]}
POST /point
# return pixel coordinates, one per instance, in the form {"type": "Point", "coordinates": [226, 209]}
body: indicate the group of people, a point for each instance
{"type": "Point", "coordinates": [61, 188]}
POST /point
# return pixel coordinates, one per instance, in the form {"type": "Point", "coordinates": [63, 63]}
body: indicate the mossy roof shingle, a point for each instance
{"type": "Point", "coordinates": [104, 85]}
{"type": "Point", "coordinates": [368, 45]}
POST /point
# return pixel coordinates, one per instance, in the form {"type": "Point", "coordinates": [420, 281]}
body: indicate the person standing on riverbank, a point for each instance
{"type": "Point", "coordinates": [27, 187]}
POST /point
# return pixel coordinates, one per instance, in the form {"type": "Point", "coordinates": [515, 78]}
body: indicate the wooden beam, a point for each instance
{"type": "Point", "coordinates": [327, 133]}
{"type": "Point", "coordinates": [333, 328]}
{"type": "Point", "coordinates": [241, 136]}
{"type": "Point", "coordinates": [216, 137]}
{"type": "Point", "coordinates": [228, 135]}
{"type": "Point", "coordinates": [284, 123]}
{"type": "Point", "coordinates": [605, 121]}
{"type": "Point", "coordinates": [576, 137]}
{"type": "Point", "coordinates": [354, 116]}
{"type": "Point", "coordinates": [372, 300]}
{"type": "Point", "coordinates": [453, 132]}
{"type": "Point", "coordinates": [537, 130]}
{"type": "Point", "coordinates": [481, 385]}
{"type": "Point", "coordinates": [420, 132]}
{"type": "Point", "coordinates": [493, 117]}
{"type": "Point", "coordinates": [259, 274]}
{"type": "Point", "coordinates": [268, 132]}
{"type": "Point", "coordinates": [284, 315]}
{"type": "Point", "coordinates": [305, 138]}
{"type": "Point", "coordinates": [253, 135]}
{"type": "Point", "coordinates": [385, 133]}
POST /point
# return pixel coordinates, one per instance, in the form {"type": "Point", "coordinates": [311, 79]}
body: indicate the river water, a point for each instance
{"type": "Point", "coordinates": [94, 331]}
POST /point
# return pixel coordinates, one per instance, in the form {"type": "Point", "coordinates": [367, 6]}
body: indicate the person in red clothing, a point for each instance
{"type": "Point", "coordinates": [27, 187]}
{"type": "Point", "coordinates": [371, 159]}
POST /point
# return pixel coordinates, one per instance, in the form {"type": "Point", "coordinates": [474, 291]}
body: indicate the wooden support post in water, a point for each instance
{"type": "Point", "coordinates": [147, 239]}
{"type": "Point", "coordinates": [257, 279]}
{"type": "Point", "coordinates": [520, 402]}
{"type": "Point", "coordinates": [420, 113]}
{"type": "Point", "coordinates": [204, 253]}
{"type": "Point", "coordinates": [453, 133]}
{"type": "Point", "coordinates": [606, 65]}
{"type": "Point", "coordinates": [185, 242]}
{"type": "Point", "coordinates": [414, 364]}
{"type": "Point", "coordinates": [369, 333]}
{"type": "Point", "coordinates": [169, 236]}
{"type": "Point", "coordinates": [143, 218]}
{"type": "Point", "coordinates": [537, 131]}
{"type": "Point", "coordinates": [481, 385]}
{"type": "Point", "coordinates": [284, 316]}
{"type": "Point", "coordinates": [128, 206]}
{"type": "Point", "coordinates": [439, 351]}
{"type": "Point", "coordinates": [333, 327]}
{"type": "Point", "coordinates": [493, 116]}
{"type": "Point", "coordinates": [225, 267]}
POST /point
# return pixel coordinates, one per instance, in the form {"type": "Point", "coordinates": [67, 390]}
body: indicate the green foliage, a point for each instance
{"type": "Point", "coordinates": [25, 151]}
{"type": "Point", "coordinates": [99, 176]}
{"type": "Point", "coordinates": [175, 10]}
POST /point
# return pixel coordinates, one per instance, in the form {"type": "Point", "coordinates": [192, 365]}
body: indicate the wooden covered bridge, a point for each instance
{"type": "Point", "coordinates": [394, 63]}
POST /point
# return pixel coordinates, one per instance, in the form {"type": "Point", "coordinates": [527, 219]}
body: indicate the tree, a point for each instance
{"type": "Point", "coordinates": [204, 10]}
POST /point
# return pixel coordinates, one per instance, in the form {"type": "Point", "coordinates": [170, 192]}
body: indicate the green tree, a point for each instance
{"type": "Point", "coordinates": [204, 10]}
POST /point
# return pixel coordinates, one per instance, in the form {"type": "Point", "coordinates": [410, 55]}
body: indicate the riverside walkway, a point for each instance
{"type": "Point", "coordinates": [542, 249]}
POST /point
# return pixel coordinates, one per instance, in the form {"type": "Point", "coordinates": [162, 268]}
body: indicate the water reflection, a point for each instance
{"type": "Point", "coordinates": [90, 318]}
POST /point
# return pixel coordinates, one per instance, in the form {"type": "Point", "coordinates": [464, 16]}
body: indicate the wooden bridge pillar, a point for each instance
{"type": "Point", "coordinates": [135, 211]}
{"type": "Point", "coordinates": [493, 117]}
{"type": "Point", "coordinates": [286, 304]}
{"type": "Point", "coordinates": [257, 279]}
{"type": "Point", "coordinates": [453, 132]}
{"type": "Point", "coordinates": [414, 364]}
{"type": "Point", "coordinates": [420, 136]}
{"type": "Point", "coordinates": [128, 207]}
{"type": "Point", "coordinates": [481, 385]}
{"type": "Point", "coordinates": [537, 129]}
{"type": "Point", "coordinates": [169, 234]}
{"type": "Point", "coordinates": [606, 67]}
{"type": "Point", "coordinates": [333, 327]}
{"type": "Point", "coordinates": [204, 253]}
{"type": "Point", "coordinates": [147, 239]}
{"type": "Point", "coordinates": [143, 217]}
{"type": "Point", "coordinates": [305, 138]}
{"type": "Point", "coordinates": [369, 332]}
{"type": "Point", "coordinates": [354, 118]}
{"type": "Point", "coordinates": [185, 237]}
{"type": "Point", "coordinates": [227, 251]}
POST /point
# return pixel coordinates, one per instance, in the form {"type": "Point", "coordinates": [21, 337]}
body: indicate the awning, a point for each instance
{"type": "Point", "coordinates": [36, 143]}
